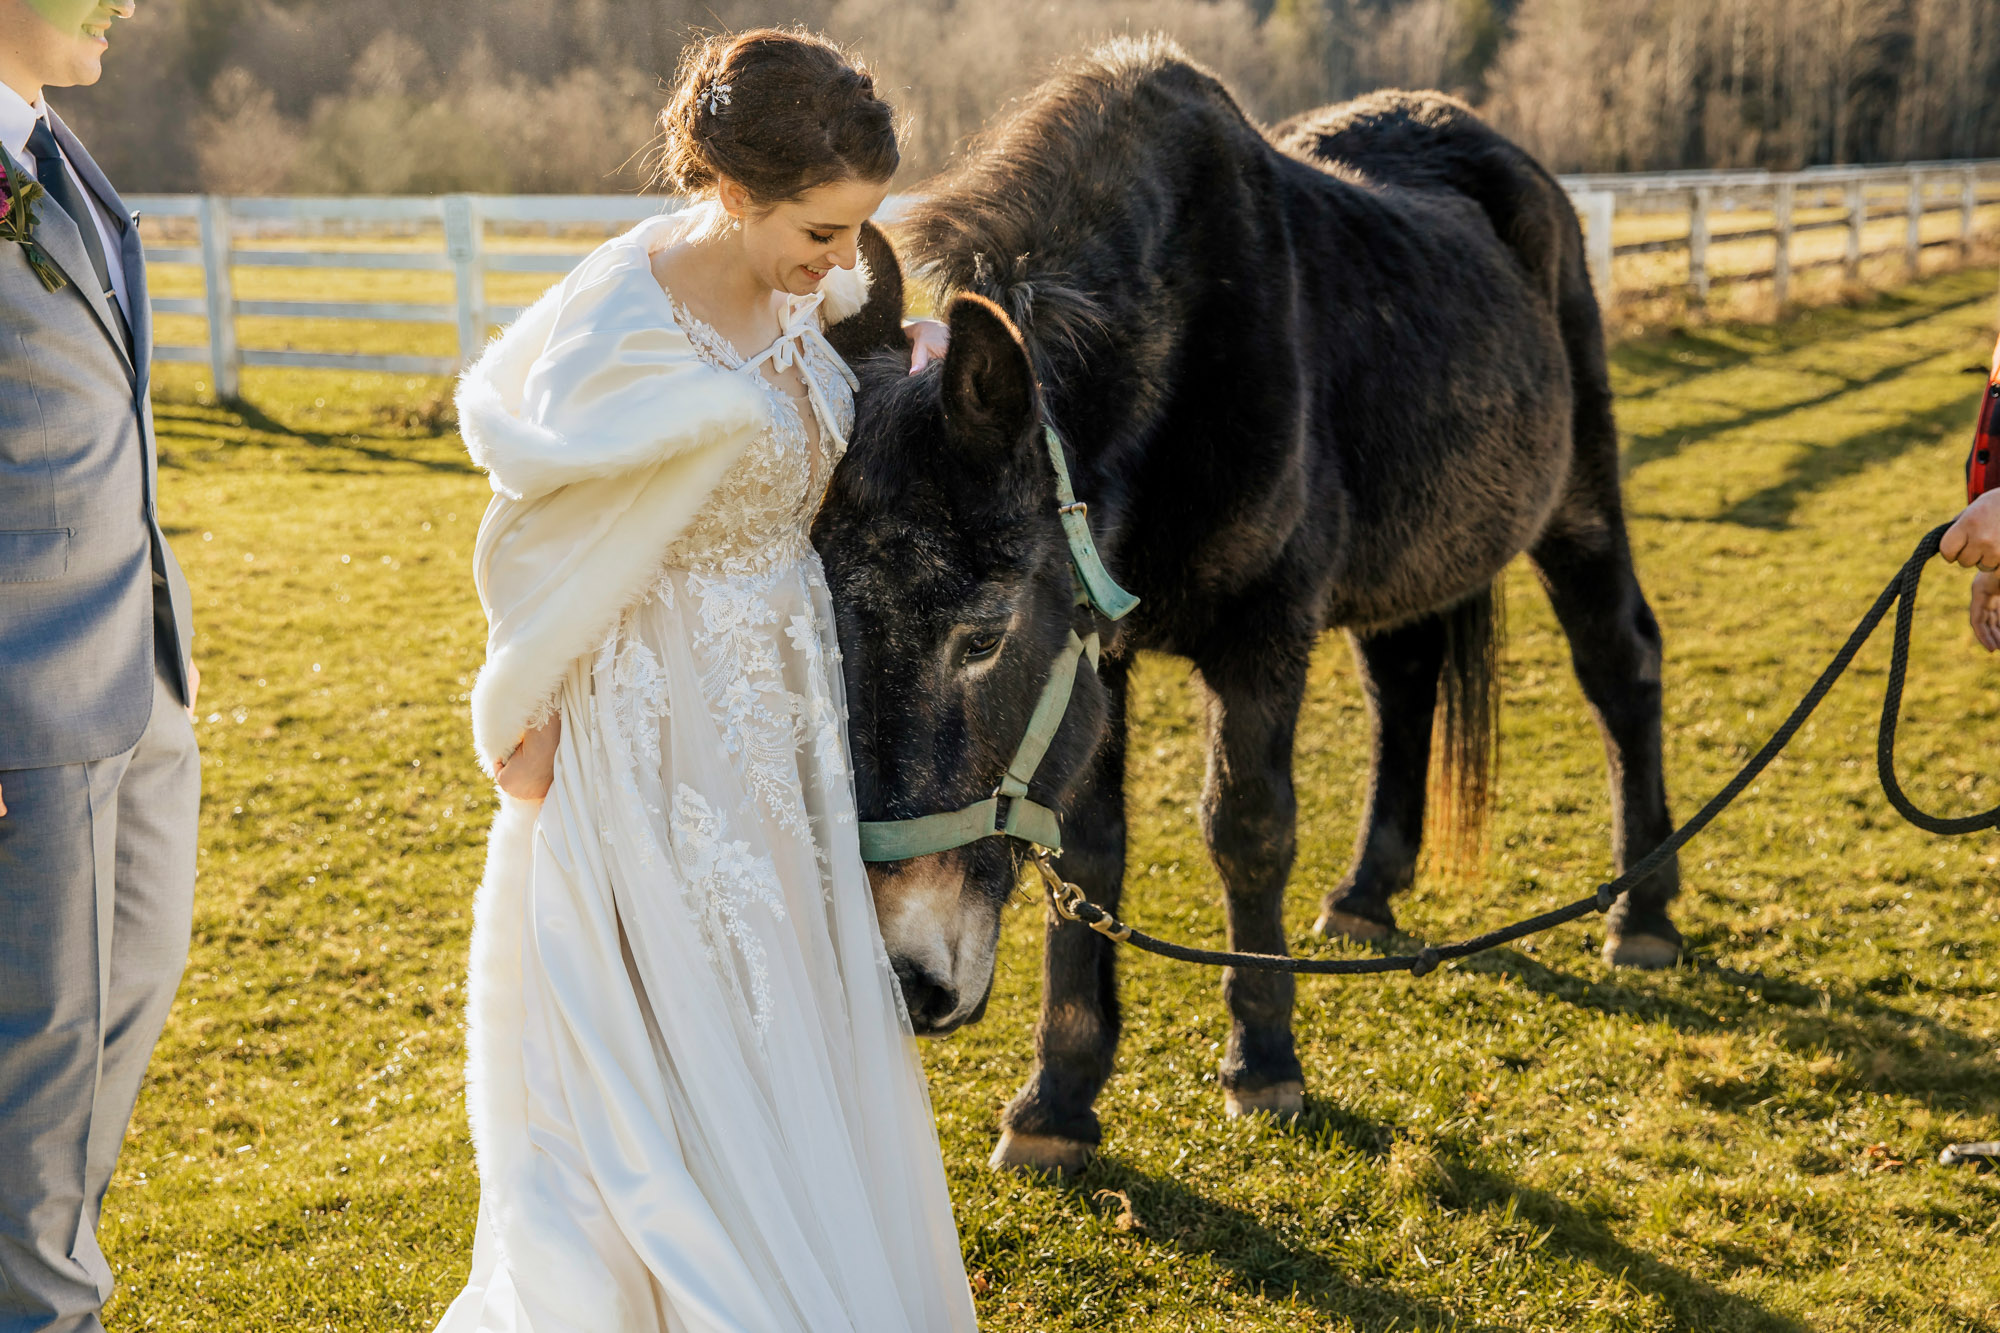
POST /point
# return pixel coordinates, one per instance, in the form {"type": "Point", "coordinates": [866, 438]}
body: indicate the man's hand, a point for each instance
{"type": "Point", "coordinates": [194, 693]}
{"type": "Point", "coordinates": [1974, 540]}
{"type": "Point", "coordinates": [1986, 611]}
{"type": "Point", "coordinates": [529, 772]}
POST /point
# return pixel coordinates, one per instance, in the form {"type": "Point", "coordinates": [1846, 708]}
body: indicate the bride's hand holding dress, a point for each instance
{"type": "Point", "coordinates": [527, 773]}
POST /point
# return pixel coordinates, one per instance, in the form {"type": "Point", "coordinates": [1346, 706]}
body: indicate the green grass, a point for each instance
{"type": "Point", "coordinates": [1524, 1141]}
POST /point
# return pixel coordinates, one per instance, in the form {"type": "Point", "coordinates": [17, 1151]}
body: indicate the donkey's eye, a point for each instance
{"type": "Point", "coordinates": [982, 646]}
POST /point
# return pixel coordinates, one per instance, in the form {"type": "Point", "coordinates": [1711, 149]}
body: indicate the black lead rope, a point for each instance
{"type": "Point", "coordinates": [1069, 901]}
{"type": "Point", "coordinates": [1892, 701]}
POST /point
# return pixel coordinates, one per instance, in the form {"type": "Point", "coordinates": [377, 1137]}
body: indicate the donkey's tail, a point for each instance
{"type": "Point", "coordinates": [1465, 749]}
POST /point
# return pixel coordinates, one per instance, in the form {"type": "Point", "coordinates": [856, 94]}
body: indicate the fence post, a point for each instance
{"type": "Point", "coordinates": [1857, 218]}
{"type": "Point", "coordinates": [1968, 207]}
{"type": "Point", "coordinates": [1599, 209]}
{"type": "Point", "coordinates": [1781, 264]}
{"type": "Point", "coordinates": [464, 240]}
{"type": "Point", "coordinates": [1698, 248]}
{"type": "Point", "coordinates": [1913, 225]}
{"type": "Point", "coordinates": [225, 361]}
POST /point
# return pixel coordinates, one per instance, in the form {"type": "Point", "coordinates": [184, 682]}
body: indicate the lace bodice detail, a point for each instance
{"type": "Point", "coordinates": [739, 603]}
{"type": "Point", "coordinates": [758, 515]}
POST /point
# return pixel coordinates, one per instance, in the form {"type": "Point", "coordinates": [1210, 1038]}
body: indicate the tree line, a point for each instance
{"type": "Point", "coordinates": [521, 96]}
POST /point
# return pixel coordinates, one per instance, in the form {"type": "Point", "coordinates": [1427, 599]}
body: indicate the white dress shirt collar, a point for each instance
{"type": "Point", "coordinates": [17, 122]}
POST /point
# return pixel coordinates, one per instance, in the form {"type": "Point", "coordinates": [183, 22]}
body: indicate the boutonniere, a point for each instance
{"type": "Point", "coordinates": [18, 197]}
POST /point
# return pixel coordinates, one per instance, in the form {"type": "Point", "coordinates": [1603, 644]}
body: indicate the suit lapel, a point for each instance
{"type": "Point", "coordinates": [63, 243]}
{"type": "Point", "coordinates": [139, 309]}
{"type": "Point", "coordinates": [132, 250]}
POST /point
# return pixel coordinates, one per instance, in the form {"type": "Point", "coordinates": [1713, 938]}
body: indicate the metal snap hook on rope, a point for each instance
{"type": "Point", "coordinates": [1070, 902]}
{"type": "Point", "coordinates": [1053, 884]}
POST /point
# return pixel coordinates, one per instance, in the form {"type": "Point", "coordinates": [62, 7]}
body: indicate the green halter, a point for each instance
{"type": "Point", "coordinates": [1008, 812]}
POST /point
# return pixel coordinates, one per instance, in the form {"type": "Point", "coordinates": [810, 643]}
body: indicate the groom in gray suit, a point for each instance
{"type": "Point", "coordinates": [99, 778]}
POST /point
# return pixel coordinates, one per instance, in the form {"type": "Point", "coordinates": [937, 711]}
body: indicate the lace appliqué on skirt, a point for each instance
{"type": "Point", "coordinates": [741, 679]}
{"type": "Point", "coordinates": [818, 717]}
{"type": "Point", "coordinates": [721, 880]}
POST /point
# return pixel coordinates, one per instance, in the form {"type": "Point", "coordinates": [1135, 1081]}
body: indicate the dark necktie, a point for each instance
{"type": "Point", "coordinates": [61, 187]}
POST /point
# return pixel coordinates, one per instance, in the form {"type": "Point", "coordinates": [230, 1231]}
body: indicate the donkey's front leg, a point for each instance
{"type": "Point", "coordinates": [1050, 1125]}
{"type": "Point", "coordinates": [1250, 817]}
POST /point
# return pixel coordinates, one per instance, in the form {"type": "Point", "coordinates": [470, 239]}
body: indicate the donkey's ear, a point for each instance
{"type": "Point", "coordinates": [877, 325]}
{"type": "Point", "coordinates": [989, 387]}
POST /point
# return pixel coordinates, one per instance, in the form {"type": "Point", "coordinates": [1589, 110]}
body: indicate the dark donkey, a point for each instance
{"type": "Point", "coordinates": [1337, 376]}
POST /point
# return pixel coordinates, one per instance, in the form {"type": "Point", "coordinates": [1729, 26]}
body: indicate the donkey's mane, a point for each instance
{"type": "Point", "coordinates": [1038, 204]}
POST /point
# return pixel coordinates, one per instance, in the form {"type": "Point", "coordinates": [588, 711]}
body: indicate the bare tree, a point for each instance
{"type": "Point", "coordinates": [243, 144]}
{"type": "Point", "coordinates": [386, 95]}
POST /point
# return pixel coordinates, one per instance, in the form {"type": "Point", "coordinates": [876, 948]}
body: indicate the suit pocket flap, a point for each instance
{"type": "Point", "coordinates": [31, 557]}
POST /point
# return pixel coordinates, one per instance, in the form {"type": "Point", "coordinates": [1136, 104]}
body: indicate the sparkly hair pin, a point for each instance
{"type": "Point", "coordinates": [715, 97]}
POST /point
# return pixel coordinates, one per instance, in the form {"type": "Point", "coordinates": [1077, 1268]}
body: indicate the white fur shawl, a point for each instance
{"type": "Point", "coordinates": [602, 432]}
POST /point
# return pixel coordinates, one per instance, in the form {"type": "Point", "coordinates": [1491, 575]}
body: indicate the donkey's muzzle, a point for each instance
{"type": "Point", "coordinates": [931, 1001]}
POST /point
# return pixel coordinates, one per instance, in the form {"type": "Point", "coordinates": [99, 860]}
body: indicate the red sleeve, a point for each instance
{"type": "Point", "coordinates": [1982, 465]}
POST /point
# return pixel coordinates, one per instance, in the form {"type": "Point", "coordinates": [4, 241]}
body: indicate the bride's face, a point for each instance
{"type": "Point", "coordinates": [794, 245]}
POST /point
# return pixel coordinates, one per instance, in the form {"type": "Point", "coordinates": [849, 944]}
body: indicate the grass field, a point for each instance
{"type": "Point", "coordinates": [1525, 1141]}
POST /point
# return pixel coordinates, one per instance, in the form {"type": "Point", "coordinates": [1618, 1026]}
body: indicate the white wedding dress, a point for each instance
{"type": "Point", "coordinates": [726, 1124]}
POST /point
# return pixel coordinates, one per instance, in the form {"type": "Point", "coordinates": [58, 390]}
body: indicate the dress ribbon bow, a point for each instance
{"type": "Point", "coordinates": [788, 350]}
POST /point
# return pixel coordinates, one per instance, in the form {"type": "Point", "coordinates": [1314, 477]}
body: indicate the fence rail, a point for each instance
{"type": "Point", "coordinates": [1848, 198]}
{"type": "Point", "coordinates": [1853, 195]}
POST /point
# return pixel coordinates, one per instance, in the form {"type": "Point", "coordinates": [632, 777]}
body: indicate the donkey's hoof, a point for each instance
{"type": "Point", "coordinates": [1333, 921]}
{"type": "Point", "coordinates": [1040, 1153]}
{"type": "Point", "coordinates": [1281, 1101]}
{"type": "Point", "coordinates": [1648, 952]}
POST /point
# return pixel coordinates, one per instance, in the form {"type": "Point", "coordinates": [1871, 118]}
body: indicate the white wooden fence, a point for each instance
{"type": "Point", "coordinates": [463, 219]}
{"type": "Point", "coordinates": [1849, 198]}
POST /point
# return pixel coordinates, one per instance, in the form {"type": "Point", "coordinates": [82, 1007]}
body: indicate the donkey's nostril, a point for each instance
{"type": "Point", "coordinates": [929, 1000]}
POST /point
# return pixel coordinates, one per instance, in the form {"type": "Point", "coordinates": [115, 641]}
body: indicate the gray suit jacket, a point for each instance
{"type": "Point", "coordinates": [89, 591]}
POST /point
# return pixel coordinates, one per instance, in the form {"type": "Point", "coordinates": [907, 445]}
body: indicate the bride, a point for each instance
{"type": "Point", "coordinates": [695, 1100]}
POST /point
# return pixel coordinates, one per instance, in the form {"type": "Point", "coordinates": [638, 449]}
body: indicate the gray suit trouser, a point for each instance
{"type": "Point", "coordinates": [96, 899]}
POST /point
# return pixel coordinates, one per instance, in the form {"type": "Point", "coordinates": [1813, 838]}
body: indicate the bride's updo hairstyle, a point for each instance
{"type": "Point", "coordinates": [779, 112]}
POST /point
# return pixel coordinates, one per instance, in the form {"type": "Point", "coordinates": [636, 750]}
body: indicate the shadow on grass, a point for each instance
{"type": "Point", "coordinates": [1879, 1047]}
{"type": "Point", "coordinates": [1324, 1124]}
{"type": "Point", "coordinates": [1828, 465]}
{"type": "Point", "coordinates": [237, 424]}
{"type": "Point", "coordinates": [1687, 355]}
{"type": "Point", "coordinates": [1645, 449]}
{"type": "Point", "coordinates": [1770, 509]}
{"type": "Point", "coordinates": [1261, 1259]}
{"type": "Point", "coordinates": [1581, 1235]}
{"type": "Point", "coordinates": [1276, 1266]}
